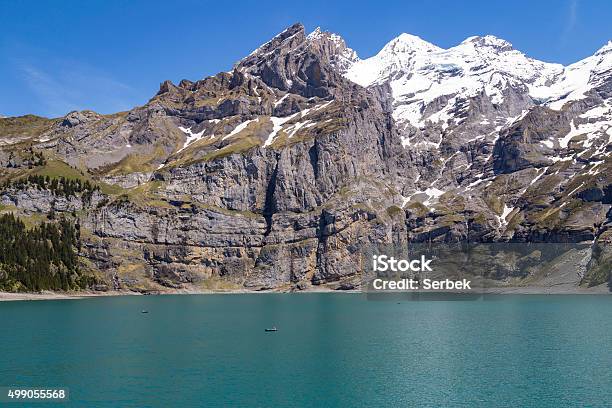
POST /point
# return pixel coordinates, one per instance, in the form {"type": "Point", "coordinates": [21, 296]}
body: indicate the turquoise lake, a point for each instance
{"type": "Point", "coordinates": [330, 350]}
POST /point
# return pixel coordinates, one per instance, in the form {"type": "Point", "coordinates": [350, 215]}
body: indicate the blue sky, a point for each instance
{"type": "Point", "coordinates": [108, 56]}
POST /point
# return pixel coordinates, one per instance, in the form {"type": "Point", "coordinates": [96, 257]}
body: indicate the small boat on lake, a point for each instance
{"type": "Point", "coordinates": [144, 311]}
{"type": "Point", "coordinates": [273, 329]}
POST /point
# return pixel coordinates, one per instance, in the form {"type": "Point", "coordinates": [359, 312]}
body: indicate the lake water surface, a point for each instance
{"type": "Point", "coordinates": [330, 350]}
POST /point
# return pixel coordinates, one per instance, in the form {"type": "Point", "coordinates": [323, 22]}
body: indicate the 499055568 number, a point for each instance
{"type": "Point", "coordinates": [9, 394]}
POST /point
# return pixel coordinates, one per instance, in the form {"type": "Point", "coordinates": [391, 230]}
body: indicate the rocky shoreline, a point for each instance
{"type": "Point", "coordinates": [533, 290]}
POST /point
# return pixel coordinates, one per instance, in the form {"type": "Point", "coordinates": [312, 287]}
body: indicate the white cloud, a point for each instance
{"type": "Point", "coordinates": [61, 86]}
{"type": "Point", "coordinates": [572, 18]}
{"type": "Point", "coordinates": [573, 10]}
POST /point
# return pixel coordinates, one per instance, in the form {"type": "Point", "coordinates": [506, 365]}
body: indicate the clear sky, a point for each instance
{"type": "Point", "coordinates": [108, 56]}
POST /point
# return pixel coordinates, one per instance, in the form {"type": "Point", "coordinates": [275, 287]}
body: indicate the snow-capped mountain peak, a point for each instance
{"type": "Point", "coordinates": [315, 34]}
{"type": "Point", "coordinates": [489, 41]}
{"type": "Point", "coordinates": [582, 76]}
{"type": "Point", "coordinates": [398, 55]}
{"type": "Point", "coordinates": [408, 44]}
{"type": "Point", "coordinates": [421, 74]}
{"type": "Point", "coordinates": [606, 49]}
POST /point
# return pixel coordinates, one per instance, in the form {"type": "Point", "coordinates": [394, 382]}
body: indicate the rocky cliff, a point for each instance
{"type": "Point", "coordinates": [275, 175]}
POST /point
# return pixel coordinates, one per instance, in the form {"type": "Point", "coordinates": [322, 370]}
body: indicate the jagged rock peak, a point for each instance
{"type": "Point", "coordinates": [308, 66]}
{"type": "Point", "coordinates": [334, 48]}
{"type": "Point", "coordinates": [166, 86]}
{"type": "Point", "coordinates": [294, 31]}
{"type": "Point", "coordinates": [75, 118]}
{"type": "Point", "coordinates": [320, 35]}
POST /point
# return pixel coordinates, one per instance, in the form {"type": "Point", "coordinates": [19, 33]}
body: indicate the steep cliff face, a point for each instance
{"type": "Point", "coordinates": [276, 174]}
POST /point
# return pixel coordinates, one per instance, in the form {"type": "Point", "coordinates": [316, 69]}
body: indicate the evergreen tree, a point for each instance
{"type": "Point", "coordinates": [42, 258]}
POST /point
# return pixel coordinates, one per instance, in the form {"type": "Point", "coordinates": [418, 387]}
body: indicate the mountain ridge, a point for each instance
{"type": "Point", "coordinates": [276, 175]}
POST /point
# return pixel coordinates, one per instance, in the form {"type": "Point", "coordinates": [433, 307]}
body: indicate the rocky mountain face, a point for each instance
{"type": "Point", "coordinates": [275, 175]}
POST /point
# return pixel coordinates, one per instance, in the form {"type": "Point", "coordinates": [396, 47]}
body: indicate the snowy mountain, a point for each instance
{"type": "Point", "coordinates": [421, 73]}
{"type": "Point", "coordinates": [580, 77]}
{"type": "Point", "coordinates": [476, 95]}
{"type": "Point", "coordinates": [435, 85]}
